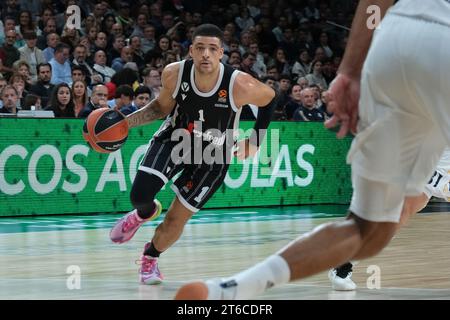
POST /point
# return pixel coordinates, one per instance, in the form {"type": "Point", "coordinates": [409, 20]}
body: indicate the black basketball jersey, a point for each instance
{"type": "Point", "coordinates": [209, 118]}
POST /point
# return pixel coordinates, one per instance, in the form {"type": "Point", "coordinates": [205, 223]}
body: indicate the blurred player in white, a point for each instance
{"type": "Point", "coordinates": [395, 96]}
{"type": "Point", "coordinates": [438, 186]}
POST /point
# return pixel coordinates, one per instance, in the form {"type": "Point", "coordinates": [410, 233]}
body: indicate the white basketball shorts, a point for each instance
{"type": "Point", "coordinates": [404, 116]}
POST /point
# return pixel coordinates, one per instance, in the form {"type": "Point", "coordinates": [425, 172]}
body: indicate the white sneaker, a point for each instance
{"type": "Point", "coordinates": [341, 284]}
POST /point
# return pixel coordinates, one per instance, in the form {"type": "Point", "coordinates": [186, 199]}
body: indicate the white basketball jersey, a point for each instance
{"type": "Point", "coordinates": [431, 10]}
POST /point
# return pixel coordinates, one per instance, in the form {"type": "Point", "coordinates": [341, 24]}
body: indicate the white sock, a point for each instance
{"type": "Point", "coordinates": [266, 274]}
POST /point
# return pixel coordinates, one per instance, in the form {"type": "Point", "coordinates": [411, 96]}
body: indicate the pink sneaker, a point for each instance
{"type": "Point", "coordinates": [149, 272]}
{"type": "Point", "coordinates": [127, 226]}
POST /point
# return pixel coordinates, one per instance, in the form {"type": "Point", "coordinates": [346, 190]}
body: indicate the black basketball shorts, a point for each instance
{"type": "Point", "coordinates": [194, 184]}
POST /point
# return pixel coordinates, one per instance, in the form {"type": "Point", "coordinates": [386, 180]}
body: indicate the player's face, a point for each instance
{"type": "Point", "coordinates": [206, 53]}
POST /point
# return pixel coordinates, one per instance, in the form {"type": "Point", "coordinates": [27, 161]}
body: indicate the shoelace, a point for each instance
{"type": "Point", "coordinates": [146, 264]}
{"type": "Point", "coordinates": [130, 222]}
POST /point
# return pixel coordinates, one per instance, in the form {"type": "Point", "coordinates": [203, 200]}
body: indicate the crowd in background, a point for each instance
{"type": "Point", "coordinates": [116, 57]}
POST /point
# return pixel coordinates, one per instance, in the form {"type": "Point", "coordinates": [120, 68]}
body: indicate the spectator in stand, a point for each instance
{"type": "Point", "coordinates": [138, 54]}
{"type": "Point", "coordinates": [148, 41]}
{"type": "Point", "coordinates": [126, 55]}
{"type": "Point", "coordinates": [323, 43]}
{"type": "Point", "coordinates": [284, 85]}
{"type": "Point", "coordinates": [8, 54]}
{"type": "Point", "coordinates": [32, 102]}
{"type": "Point", "coordinates": [80, 96]}
{"type": "Point", "coordinates": [22, 68]}
{"type": "Point", "coordinates": [152, 80]}
{"type": "Point", "coordinates": [52, 40]}
{"type": "Point", "coordinates": [31, 54]}
{"type": "Point", "coordinates": [61, 101]}
{"type": "Point", "coordinates": [142, 96]}
{"type": "Point", "coordinates": [101, 68]}
{"type": "Point", "coordinates": [248, 59]}
{"type": "Point", "coordinates": [61, 71]}
{"type": "Point", "coordinates": [316, 75]}
{"type": "Point", "coordinates": [295, 102]}
{"type": "Point", "coordinates": [50, 27]}
{"type": "Point", "coordinates": [123, 100]}
{"type": "Point", "coordinates": [259, 67]}
{"type": "Point", "coordinates": [99, 99]}
{"type": "Point", "coordinates": [302, 66]}
{"type": "Point", "coordinates": [118, 42]}
{"type": "Point", "coordinates": [43, 87]}
{"type": "Point", "coordinates": [307, 110]}
{"type": "Point", "coordinates": [26, 24]}
{"type": "Point", "coordinates": [244, 21]}
{"type": "Point", "coordinates": [9, 98]}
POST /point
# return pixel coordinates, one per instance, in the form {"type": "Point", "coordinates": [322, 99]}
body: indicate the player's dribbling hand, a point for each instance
{"type": "Point", "coordinates": [342, 100]}
{"type": "Point", "coordinates": [245, 149]}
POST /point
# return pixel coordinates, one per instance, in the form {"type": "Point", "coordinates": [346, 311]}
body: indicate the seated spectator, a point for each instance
{"type": "Point", "coordinates": [302, 66]}
{"type": "Point", "coordinates": [148, 41]}
{"type": "Point", "coordinates": [61, 71]}
{"type": "Point", "coordinates": [302, 82]}
{"type": "Point", "coordinates": [284, 85]}
{"type": "Point", "coordinates": [248, 59]}
{"type": "Point", "coordinates": [78, 74]}
{"type": "Point", "coordinates": [31, 54]}
{"type": "Point", "coordinates": [18, 81]}
{"type": "Point", "coordinates": [8, 54]}
{"type": "Point", "coordinates": [23, 68]}
{"type": "Point", "coordinates": [294, 103]}
{"type": "Point", "coordinates": [10, 98]}
{"type": "Point", "coordinates": [307, 110]}
{"type": "Point", "coordinates": [61, 101]}
{"type": "Point", "coordinates": [80, 96]}
{"type": "Point", "coordinates": [101, 67]}
{"type": "Point", "coordinates": [126, 55]}
{"type": "Point", "coordinates": [99, 99]}
{"type": "Point", "coordinates": [316, 75]}
{"type": "Point", "coordinates": [52, 41]}
{"type": "Point", "coordinates": [79, 59]}
{"type": "Point", "coordinates": [32, 102]}
{"type": "Point", "coordinates": [123, 100]}
{"type": "Point", "coordinates": [234, 57]}
{"type": "Point", "coordinates": [152, 80]}
{"type": "Point", "coordinates": [43, 87]}
{"type": "Point", "coordinates": [142, 96]}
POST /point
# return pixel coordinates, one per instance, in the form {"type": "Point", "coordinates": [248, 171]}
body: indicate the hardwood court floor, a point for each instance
{"type": "Point", "coordinates": [35, 254]}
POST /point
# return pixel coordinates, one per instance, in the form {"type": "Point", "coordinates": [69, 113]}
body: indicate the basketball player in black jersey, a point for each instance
{"type": "Point", "coordinates": [201, 99]}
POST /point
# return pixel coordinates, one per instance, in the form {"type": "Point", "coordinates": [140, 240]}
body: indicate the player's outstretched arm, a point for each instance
{"type": "Point", "coordinates": [343, 94]}
{"type": "Point", "coordinates": [161, 106]}
{"type": "Point", "coordinates": [248, 90]}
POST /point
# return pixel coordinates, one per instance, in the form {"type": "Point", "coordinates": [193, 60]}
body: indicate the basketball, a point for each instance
{"type": "Point", "coordinates": [106, 130]}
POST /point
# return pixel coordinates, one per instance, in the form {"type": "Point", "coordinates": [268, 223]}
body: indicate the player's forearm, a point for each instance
{"type": "Point", "coordinates": [146, 114]}
{"type": "Point", "coordinates": [361, 36]}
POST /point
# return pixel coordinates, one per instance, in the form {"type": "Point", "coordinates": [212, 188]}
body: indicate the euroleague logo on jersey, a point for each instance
{"type": "Point", "coordinates": [222, 96]}
{"type": "Point", "coordinates": [222, 99]}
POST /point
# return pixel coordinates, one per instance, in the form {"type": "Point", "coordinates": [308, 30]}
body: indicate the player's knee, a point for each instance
{"type": "Point", "coordinates": [144, 189]}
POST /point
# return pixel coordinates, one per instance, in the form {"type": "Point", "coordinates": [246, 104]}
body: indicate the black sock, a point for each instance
{"type": "Point", "coordinates": [148, 212]}
{"type": "Point", "coordinates": [151, 251]}
{"type": "Point", "coordinates": [344, 270]}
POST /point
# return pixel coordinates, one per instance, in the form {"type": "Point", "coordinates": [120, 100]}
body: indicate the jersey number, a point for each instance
{"type": "Point", "coordinates": [435, 178]}
{"type": "Point", "coordinates": [202, 118]}
{"type": "Point", "coordinates": [202, 194]}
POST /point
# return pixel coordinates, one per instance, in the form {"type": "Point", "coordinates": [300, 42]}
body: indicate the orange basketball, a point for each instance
{"type": "Point", "coordinates": [106, 130]}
